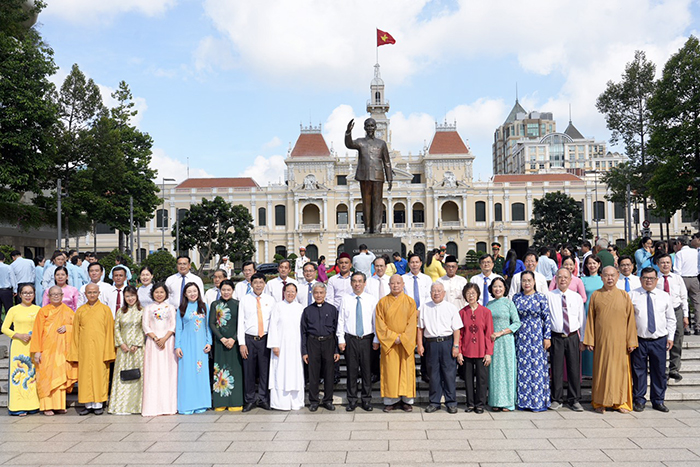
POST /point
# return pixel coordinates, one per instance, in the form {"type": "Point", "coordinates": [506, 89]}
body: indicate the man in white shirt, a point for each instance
{"type": "Point", "coordinates": [299, 263]}
{"type": "Point", "coordinates": [439, 323]}
{"type": "Point", "coordinates": [305, 296]}
{"type": "Point", "coordinates": [628, 281]}
{"type": "Point", "coordinates": [363, 261]}
{"type": "Point", "coordinates": [530, 262]}
{"type": "Point", "coordinates": [585, 253]}
{"type": "Point", "coordinates": [25, 272]}
{"type": "Point", "coordinates": [253, 323]}
{"type": "Point", "coordinates": [484, 278]}
{"type": "Point", "coordinates": [378, 284]}
{"type": "Point", "coordinates": [416, 284]}
{"type": "Point", "coordinates": [567, 315]}
{"type": "Point", "coordinates": [673, 284]}
{"type": "Point", "coordinates": [96, 272]}
{"type": "Point", "coordinates": [545, 265]}
{"type": "Point", "coordinates": [655, 318]}
{"type": "Point", "coordinates": [214, 293]}
{"type": "Point", "coordinates": [115, 298]}
{"type": "Point", "coordinates": [244, 287]}
{"type": "Point", "coordinates": [687, 267]}
{"type": "Point", "coordinates": [339, 285]}
{"type": "Point", "coordinates": [454, 284]}
{"type": "Point", "coordinates": [356, 338]}
{"type": "Point", "coordinates": [176, 283]}
{"type": "Point", "coordinates": [274, 286]}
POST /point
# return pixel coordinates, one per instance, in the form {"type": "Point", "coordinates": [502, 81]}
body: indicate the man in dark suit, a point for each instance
{"type": "Point", "coordinates": [373, 168]}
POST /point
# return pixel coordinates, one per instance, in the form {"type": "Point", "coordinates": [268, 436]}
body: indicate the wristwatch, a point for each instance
{"type": "Point", "coordinates": [455, 346]}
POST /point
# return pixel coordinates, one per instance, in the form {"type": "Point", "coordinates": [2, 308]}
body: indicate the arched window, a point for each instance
{"type": "Point", "coordinates": [162, 219]}
{"type": "Point", "coordinates": [311, 214]}
{"type": "Point", "coordinates": [181, 213]}
{"type": "Point", "coordinates": [619, 210]}
{"type": "Point", "coordinates": [281, 250]}
{"type": "Point", "coordinates": [341, 250]}
{"type": "Point", "coordinates": [341, 214]}
{"type": "Point", "coordinates": [359, 215]}
{"type": "Point", "coordinates": [377, 97]}
{"type": "Point", "coordinates": [518, 211]}
{"type": "Point", "coordinates": [599, 210]}
{"type": "Point", "coordinates": [419, 249]}
{"type": "Point", "coordinates": [312, 253]}
{"type": "Point", "coordinates": [280, 214]}
{"type": "Point", "coordinates": [418, 213]}
{"type": "Point", "coordinates": [453, 250]}
{"type": "Point", "coordinates": [498, 212]}
{"type": "Point", "coordinates": [262, 217]}
{"type": "Point", "coordinates": [449, 212]}
{"type": "Point", "coordinates": [480, 211]}
{"type": "Point", "coordinates": [399, 213]}
{"type": "Point", "coordinates": [481, 247]}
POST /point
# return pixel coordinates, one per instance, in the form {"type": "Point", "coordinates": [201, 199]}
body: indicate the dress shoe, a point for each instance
{"type": "Point", "coordinates": [313, 407]}
{"type": "Point", "coordinates": [329, 406]}
{"type": "Point", "coordinates": [84, 411]}
{"type": "Point", "coordinates": [453, 409]}
{"type": "Point", "coordinates": [476, 410]}
{"type": "Point", "coordinates": [264, 405]}
{"type": "Point", "coordinates": [99, 411]}
{"type": "Point", "coordinates": [686, 332]}
{"type": "Point", "coordinates": [350, 408]}
{"type": "Point", "coordinates": [576, 407]}
{"type": "Point", "coordinates": [676, 376]}
{"type": "Point", "coordinates": [432, 408]}
{"type": "Point", "coordinates": [469, 409]}
{"type": "Point", "coordinates": [248, 407]}
{"type": "Point", "coordinates": [638, 407]}
{"type": "Point", "coordinates": [366, 407]}
{"type": "Point", "coordinates": [697, 332]}
{"type": "Point", "coordinates": [375, 379]}
{"type": "Point", "coordinates": [407, 407]}
{"type": "Point", "coordinates": [660, 407]}
{"type": "Point", "coordinates": [389, 408]}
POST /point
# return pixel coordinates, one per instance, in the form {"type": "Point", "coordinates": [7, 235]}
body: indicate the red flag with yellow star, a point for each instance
{"type": "Point", "coordinates": [384, 38]}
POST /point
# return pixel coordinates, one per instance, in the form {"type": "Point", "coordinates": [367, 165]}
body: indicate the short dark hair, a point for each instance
{"type": "Point", "coordinates": [96, 263]}
{"type": "Point", "coordinates": [361, 274]}
{"type": "Point", "coordinates": [285, 261]}
{"type": "Point", "coordinates": [257, 275]}
{"type": "Point", "coordinates": [628, 257]}
{"type": "Point", "coordinates": [543, 250]}
{"type": "Point", "coordinates": [74, 260]}
{"type": "Point", "coordinates": [362, 247]}
{"type": "Point", "coordinates": [228, 282]}
{"type": "Point", "coordinates": [379, 257]}
{"type": "Point", "coordinates": [2, 256]}
{"type": "Point", "coordinates": [586, 243]}
{"type": "Point", "coordinates": [15, 253]}
{"type": "Point", "coordinates": [183, 257]}
{"type": "Point", "coordinates": [659, 258]}
{"type": "Point", "coordinates": [248, 263]}
{"type": "Point", "coordinates": [396, 253]}
{"type": "Point", "coordinates": [485, 257]}
{"type": "Point", "coordinates": [412, 255]}
{"type": "Point", "coordinates": [310, 263]}
{"type": "Point", "coordinates": [647, 270]}
{"type": "Point", "coordinates": [531, 253]}
{"type": "Point", "coordinates": [157, 285]}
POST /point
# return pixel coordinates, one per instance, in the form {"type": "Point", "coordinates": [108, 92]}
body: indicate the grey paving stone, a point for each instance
{"type": "Point", "coordinates": [234, 436]}
{"type": "Point", "coordinates": [348, 445]}
{"type": "Point", "coordinates": [506, 444]}
{"type": "Point", "coordinates": [661, 442]}
{"type": "Point", "coordinates": [108, 436]}
{"type": "Point", "coordinates": [25, 446]}
{"type": "Point", "coordinates": [189, 446]}
{"type": "Point", "coordinates": [661, 455]}
{"type": "Point", "coordinates": [146, 427]}
{"type": "Point", "coordinates": [616, 464]}
{"type": "Point", "coordinates": [619, 432]}
{"type": "Point", "coordinates": [281, 426]}
{"type": "Point", "coordinates": [390, 417]}
{"type": "Point", "coordinates": [691, 432]}
{"type": "Point", "coordinates": [338, 417]}
{"type": "Point", "coordinates": [566, 455]}
{"type": "Point", "coordinates": [645, 422]}
{"type": "Point", "coordinates": [330, 426]}
{"type": "Point", "coordinates": [583, 423]}
{"type": "Point", "coordinates": [694, 421]}
{"type": "Point", "coordinates": [429, 445]}
{"type": "Point", "coordinates": [238, 417]}
{"type": "Point", "coordinates": [372, 457]}
{"type": "Point", "coordinates": [429, 425]}
{"type": "Point", "coordinates": [195, 427]}
{"type": "Point", "coordinates": [466, 434]}
{"type": "Point", "coordinates": [219, 458]}
{"type": "Point", "coordinates": [594, 443]}
{"type": "Point", "coordinates": [23, 436]}
{"type": "Point", "coordinates": [7, 456]}
{"type": "Point", "coordinates": [543, 433]}
{"type": "Point", "coordinates": [165, 436]}
{"type": "Point", "coordinates": [498, 424]}
{"type": "Point", "coordinates": [269, 446]}
{"type": "Point", "coordinates": [137, 458]}
{"type": "Point", "coordinates": [110, 446]}
{"type": "Point", "coordinates": [328, 457]}
{"type": "Point", "coordinates": [66, 458]}
{"type": "Point", "coordinates": [63, 427]}
{"type": "Point", "coordinates": [476, 456]}
{"type": "Point", "coordinates": [311, 435]}
{"type": "Point", "coordinates": [400, 435]}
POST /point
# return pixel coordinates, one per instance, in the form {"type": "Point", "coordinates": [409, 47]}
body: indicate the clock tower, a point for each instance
{"type": "Point", "coordinates": [378, 106]}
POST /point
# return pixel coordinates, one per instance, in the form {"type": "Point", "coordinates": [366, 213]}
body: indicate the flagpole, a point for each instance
{"type": "Point", "coordinates": [377, 46]}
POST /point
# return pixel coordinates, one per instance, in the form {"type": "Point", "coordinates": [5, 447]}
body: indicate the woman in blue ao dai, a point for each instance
{"type": "Point", "coordinates": [192, 346]}
{"type": "Point", "coordinates": [532, 343]}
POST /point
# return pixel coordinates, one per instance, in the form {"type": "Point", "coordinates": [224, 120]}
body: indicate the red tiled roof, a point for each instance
{"type": "Point", "coordinates": [564, 177]}
{"type": "Point", "coordinates": [310, 145]}
{"type": "Point", "coordinates": [447, 142]}
{"type": "Point", "coordinates": [240, 182]}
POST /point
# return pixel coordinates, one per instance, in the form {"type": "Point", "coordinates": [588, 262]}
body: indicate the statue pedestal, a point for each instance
{"type": "Point", "coordinates": [379, 244]}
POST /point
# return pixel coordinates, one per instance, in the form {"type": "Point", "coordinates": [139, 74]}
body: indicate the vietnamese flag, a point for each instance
{"type": "Point", "coordinates": [384, 38]}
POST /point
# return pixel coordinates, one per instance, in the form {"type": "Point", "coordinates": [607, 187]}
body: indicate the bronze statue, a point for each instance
{"type": "Point", "coordinates": [373, 167]}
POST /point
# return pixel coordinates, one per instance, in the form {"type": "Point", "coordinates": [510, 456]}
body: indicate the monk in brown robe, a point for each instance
{"type": "Point", "coordinates": [51, 338]}
{"type": "Point", "coordinates": [93, 346]}
{"type": "Point", "coordinates": [395, 324]}
{"type": "Point", "coordinates": [611, 333]}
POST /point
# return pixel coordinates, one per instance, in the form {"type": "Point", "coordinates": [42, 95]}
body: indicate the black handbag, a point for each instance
{"type": "Point", "coordinates": [130, 375]}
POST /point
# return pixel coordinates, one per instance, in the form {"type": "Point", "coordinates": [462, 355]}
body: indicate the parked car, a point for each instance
{"type": "Point", "coordinates": [268, 268]}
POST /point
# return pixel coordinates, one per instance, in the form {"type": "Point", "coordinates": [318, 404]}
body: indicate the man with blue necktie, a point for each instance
{"type": "Point", "coordinates": [417, 286]}
{"type": "Point", "coordinates": [176, 282]}
{"type": "Point", "coordinates": [483, 279]}
{"type": "Point", "coordinates": [628, 280]}
{"type": "Point", "coordinates": [306, 284]}
{"type": "Point", "coordinates": [244, 287]}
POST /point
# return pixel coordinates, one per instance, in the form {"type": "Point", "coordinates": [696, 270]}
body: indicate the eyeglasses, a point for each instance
{"type": "Point", "coordinates": [27, 293]}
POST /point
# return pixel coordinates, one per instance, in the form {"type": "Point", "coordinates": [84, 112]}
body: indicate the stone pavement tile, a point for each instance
{"type": "Point", "coordinates": [338, 417]}
{"type": "Point", "coordinates": [526, 415]}
{"type": "Point", "coordinates": [232, 436]}
{"type": "Point", "coordinates": [498, 424]}
{"type": "Point", "coordinates": [651, 413]}
{"type": "Point", "coordinates": [695, 450]}
{"type": "Point", "coordinates": [146, 427]}
{"type": "Point", "coordinates": [348, 445]}
{"type": "Point", "coordinates": [429, 425]}
{"type": "Point", "coordinates": [179, 465]}
{"type": "Point", "coordinates": [281, 426]}
{"type": "Point", "coordinates": [237, 465]}
{"type": "Point", "coordinates": [262, 446]}
{"type": "Point", "coordinates": [662, 455]}
{"type": "Point", "coordinates": [567, 455]}
{"type": "Point", "coordinates": [542, 433]}
{"type": "Point", "coordinates": [136, 458]}
{"type": "Point", "coordinates": [20, 428]}
{"type": "Point", "coordinates": [505, 444]}
{"type": "Point", "coordinates": [371, 457]}
{"type": "Point", "coordinates": [567, 414]}
{"type": "Point", "coordinates": [681, 464]}
{"type": "Point", "coordinates": [524, 464]}
{"type": "Point", "coordinates": [129, 419]}
{"type": "Point", "coordinates": [343, 465]}
{"type": "Point", "coordinates": [220, 458]}
{"type": "Point", "coordinates": [109, 436]}
{"type": "Point", "coordinates": [15, 436]}
{"type": "Point", "coordinates": [460, 415]}
{"type": "Point", "coordinates": [617, 464]}
{"type": "Point", "coordinates": [165, 436]}
{"type": "Point", "coordinates": [465, 434]}
{"type": "Point", "coordinates": [72, 427]}
{"type": "Point", "coordinates": [193, 427]}
{"type": "Point", "coordinates": [238, 417]}
{"type": "Point", "coordinates": [209, 417]}
{"type": "Point", "coordinates": [389, 417]}
{"type": "Point", "coordinates": [429, 445]}
{"type": "Point", "coordinates": [66, 458]}
{"type": "Point", "coordinates": [594, 443]}
{"type": "Point", "coordinates": [328, 457]}
{"type": "Point", "coordinates": [312, 435]}
{"type": "Point", "coordinates": [403, 434]}
{"type": "Point", "coordinates": [645, 422]}
{"type": "Point", "coordinates": [583, 423]}
{"type": "Point", "coordinates": [28, 446]}
{"type": "Point", "coordinates": [189, 446]}
{"type": "Point", "coordinates": [691, 432]}
{"type": "Point", "coordinates": [661, 442]}
{"type": "Point", "coordinates": [694, 421]}
{"type": "Point", "coordinates": [330, 426]}
{"type": "Point", "coordinates": [499, 456]}
{"type": "Point", "coordinates": [6, 456]}
{"type": "Point", "coordinates": [109, 446]}
{"type": "Point", "coordinates": [619, 432]}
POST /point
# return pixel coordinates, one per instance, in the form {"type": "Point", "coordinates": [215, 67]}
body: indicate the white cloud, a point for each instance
{"type": "Point", "coordinates": [273, 143]}
{"type": "Point", "coordinates": [336, 124]}
{"type": "Point", "coordinates": [266, 170]}
{"type": "Point", "coordinates": [103, 11]}
{"type": "Point", "coordinates": [411, 133]}
{"type": "Point", "coordinates": [168, 167]}
{"type": "Point", "coordinates": [213, 53]}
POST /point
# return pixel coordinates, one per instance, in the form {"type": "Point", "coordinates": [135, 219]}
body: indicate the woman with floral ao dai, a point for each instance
{"type": "Point", "coordinates": [23, 398]}
{"type": "Point", "coordinates": [227, 386]}
{"type": "Point", "coordinates": [71, 295]}
{"type": "Point", "coordinates": [159, 361]}
{"type": "Point", "coordinates": [532, 343]}
{"type": "Point", "coordinates": [503, 371]}
{"type": "Point", "coordinates": [286, 365]}
{"type": "Point", "coordinates": [192, 347]}
{"type": "Point", "coordinates": [126, 396]}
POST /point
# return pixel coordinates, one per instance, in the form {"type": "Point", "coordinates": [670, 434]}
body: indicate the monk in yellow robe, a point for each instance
{"type": "Point", "coordinates": [395, 324]}
{"type": "Point", "coordinates": [51, 338]}
{"type": "Point", "coordinates": [611, 333]}
{"type": "Point", "coordinates": [93, 348]}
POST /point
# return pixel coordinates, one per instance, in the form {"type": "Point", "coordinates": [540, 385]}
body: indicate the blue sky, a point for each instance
{"type": "Point", "coordinates": [226, 83]}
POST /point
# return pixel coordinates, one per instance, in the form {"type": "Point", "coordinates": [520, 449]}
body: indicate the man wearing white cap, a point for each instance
{"type": "Point", "coordinates": [300, 262]}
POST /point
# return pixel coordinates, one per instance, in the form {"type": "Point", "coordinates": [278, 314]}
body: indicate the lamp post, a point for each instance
{"type": "Point", "coordinates": [597, 208]}
{"type": "Point", "coordinates": [162, 217]}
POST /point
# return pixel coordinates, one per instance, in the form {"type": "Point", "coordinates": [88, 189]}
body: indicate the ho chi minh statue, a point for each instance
{"type": "Point", "coordinates": [373, 168]}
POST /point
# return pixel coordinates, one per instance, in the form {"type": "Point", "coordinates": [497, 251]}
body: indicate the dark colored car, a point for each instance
{"type": "Point", "coordinates": [268, 268]}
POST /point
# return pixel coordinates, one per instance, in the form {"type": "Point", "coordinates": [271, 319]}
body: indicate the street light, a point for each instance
{"type": "Point", "coordinates": [162, 216]}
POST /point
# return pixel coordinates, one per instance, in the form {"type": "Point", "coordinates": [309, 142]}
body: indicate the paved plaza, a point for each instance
{"type": "Point", "coordinates": [360, 438]}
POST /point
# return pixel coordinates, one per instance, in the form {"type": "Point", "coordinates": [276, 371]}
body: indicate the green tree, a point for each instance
{"type": "Point", "coordinates": [675, 138]}
{"type": "Point", "coordinates": [217, 228]}
{"type": "Point", "coordinates": [627, 114]}
{"type": "Point", "coordinates": [162, 263]}
{"type": "Point", "coordinates": [557, 219]}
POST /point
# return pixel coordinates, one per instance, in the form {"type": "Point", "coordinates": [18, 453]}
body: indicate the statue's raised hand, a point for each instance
{"type": "Point", "coordinates": [351, 125]}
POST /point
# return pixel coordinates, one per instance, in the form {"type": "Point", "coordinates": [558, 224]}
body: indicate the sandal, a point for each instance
{"type": "Point", "coordinates": [496, 409]}
{"type": "Point", "coordinates": [504, 409]}
{"type": "Point", "coordinates": [49, 413]}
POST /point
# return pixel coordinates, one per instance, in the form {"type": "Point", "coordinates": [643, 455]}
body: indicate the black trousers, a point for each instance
{"type": "Point", "coordinates": [321, 362]}
{"type": "Point", "coordinates": [566, 349]}
{"type": "Point", "coordinates": [358, 354]}
{"type": "Point", "coordinates": [256, 365]}
{"type": "Point", "coordinates": [18, 298]}
{"type": "Point", "coordinates": [443, 372]}
{"type": "Point", "coordinates": [6, 301]}
{"type": "Point", "coordinates": [653, 353]}
{"type": "Point", "coordinates": [475, 370]}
